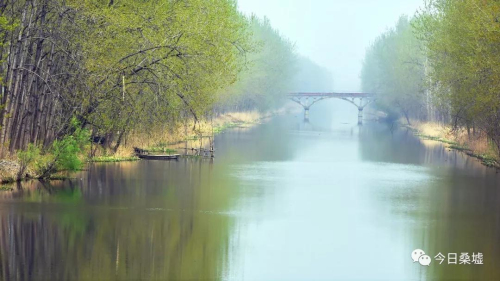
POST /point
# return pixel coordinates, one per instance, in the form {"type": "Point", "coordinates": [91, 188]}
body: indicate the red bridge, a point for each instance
{"type": "Point", "coordinates": [306, 100]}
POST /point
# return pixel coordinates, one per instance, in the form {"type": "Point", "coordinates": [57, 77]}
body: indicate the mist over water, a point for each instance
{"type": "Point", "coordinates": [283, 198]}
{"type": "Point", "coordinates": [335, 34]}
{"type": "Point", "coordinates": [287, 200]}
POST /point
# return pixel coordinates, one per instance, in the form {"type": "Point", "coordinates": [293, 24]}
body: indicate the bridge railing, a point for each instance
{"type": "Point", "coordinates": [303, 99]}
{"type": "Point", "coordinates": [333, 95]}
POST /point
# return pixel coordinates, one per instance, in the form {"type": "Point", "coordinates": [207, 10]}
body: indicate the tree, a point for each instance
{"type": "Point", "coordinates": [394, 69]}
{"type": "Point", "coordinates": [463, 48]}
{"type": "Point", "coordinates": [269, 72]}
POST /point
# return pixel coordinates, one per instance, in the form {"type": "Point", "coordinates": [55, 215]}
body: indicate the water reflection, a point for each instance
{"type": "Point", "coordinates": [456, 211]}
{"type": "Point", "coordinates": [116, 223]}
{"type": "Point", "coordinates": [464, 217]}
{"type": "Point", "coordinates": [328, 200]}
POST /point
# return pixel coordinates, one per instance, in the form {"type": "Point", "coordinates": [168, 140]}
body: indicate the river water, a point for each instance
{"type": "Point", "coordinates": [328, 200]}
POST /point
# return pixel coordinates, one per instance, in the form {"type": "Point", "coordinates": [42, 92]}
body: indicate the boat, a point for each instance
{"type": "Point", "coordinates": [145, 154]}
{"type": "Point", "coordinates": [158, 156]}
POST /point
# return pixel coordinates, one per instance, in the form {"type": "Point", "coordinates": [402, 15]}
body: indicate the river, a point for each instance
{"type": "Point", "coordinates": [328, 200]}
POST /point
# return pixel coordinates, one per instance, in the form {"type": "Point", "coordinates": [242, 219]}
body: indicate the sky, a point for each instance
{"type": "Point", "coordinates": [333, 33]}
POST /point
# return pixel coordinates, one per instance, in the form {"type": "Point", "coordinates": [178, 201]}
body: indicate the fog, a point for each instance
{"type": "Point", "coordinates": [333, 33]}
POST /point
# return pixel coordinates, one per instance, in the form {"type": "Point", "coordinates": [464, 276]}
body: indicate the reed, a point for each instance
{"type": "Point", "coordinates": [476, 144]}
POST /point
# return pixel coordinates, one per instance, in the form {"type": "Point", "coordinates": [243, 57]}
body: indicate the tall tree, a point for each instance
{"type": "Point", "coordinates": [270, 70]}
{"type": "Point", "coordinates": [394, 69]}
{"type": "Point", "coordinates": [463, 48]}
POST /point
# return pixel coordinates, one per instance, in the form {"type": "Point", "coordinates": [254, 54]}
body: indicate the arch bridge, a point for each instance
{"type": "Point", "coordinates": [306, 100]}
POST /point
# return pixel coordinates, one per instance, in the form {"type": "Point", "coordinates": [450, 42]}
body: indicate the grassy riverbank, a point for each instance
{"type": "Point", "coordinates": [473, 144]}
{"type": "Point", "coordinates": [110, 159]}
{"type": "Point", "coordinates": [164, 139]}
{"type": "Point", "coordinates": [9, 173]}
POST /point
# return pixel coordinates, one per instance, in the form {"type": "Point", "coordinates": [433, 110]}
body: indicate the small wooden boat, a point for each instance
{"type": "Point", "coordinates": [158, 156]}
{"type": "Point", "coordinates": [145, 154]}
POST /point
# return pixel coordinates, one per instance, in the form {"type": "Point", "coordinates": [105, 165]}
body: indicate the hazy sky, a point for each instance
{"type": "Point", "coordinates": [333, 33]}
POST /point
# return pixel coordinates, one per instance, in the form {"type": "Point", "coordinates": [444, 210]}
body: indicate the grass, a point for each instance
{"type": "Point", "coordinates": [6, 188]}
{"type": "Point", "coordinates": [160, 138]}
{"type": "Point", "coordinates": [161, 149]}
{"type": "Point", "coordinates": [477, 146]}
{"type": "Point", "coordinates": [429, 131]}
{"type": "Point", "coordinates": [111, 159]}
{"type": "Point", "coordinates": [223, 127]}
{"type": "Point", "coordinates": [61, 177]}
{"type": "Point", "coordinates": [486, 159]}
{"type": "Point", "coordinates": [192, 156]}
{"type": "Point", "coordinates": [459, 147]}
{"type": "Point", "coordinates": [440, 139]}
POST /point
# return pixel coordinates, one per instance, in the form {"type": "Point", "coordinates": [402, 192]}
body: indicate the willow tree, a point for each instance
{"type": "Point", "coordinates": [394, 68]}
{"type": "Point", "coordinates": [269, 70]}
{"type": "Point", "coordinates": [155, 60]}
{"type": "Point", "coordinates": [123, 65]}
{"type": "Point", "coordinates": [463, 47]}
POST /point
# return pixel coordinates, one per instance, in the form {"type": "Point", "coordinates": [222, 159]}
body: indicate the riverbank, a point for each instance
{"type": "Point", "coordinates": [162, 139]}
{"type": "Point", "coordinates": [199, 135]}
{"type": "Point", "coordinates": [473, 144]}
{"type": "Point", "coordinates": [9, 173]}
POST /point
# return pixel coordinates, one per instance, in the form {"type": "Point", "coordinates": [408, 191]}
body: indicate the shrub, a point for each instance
{"type": "Point", "coordinates": [26, 158]}
{"type": "Point", "coordinates": [67, 152]}
{"type": "Point", "coordinates": [64, 154]}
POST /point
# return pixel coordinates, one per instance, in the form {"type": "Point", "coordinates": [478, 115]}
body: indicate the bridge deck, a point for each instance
{"type": "Point", "coordinates": [332, 95]}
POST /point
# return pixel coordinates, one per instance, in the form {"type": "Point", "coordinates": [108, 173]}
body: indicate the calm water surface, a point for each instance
{"type": "Point", "coordinates": [282, 201]}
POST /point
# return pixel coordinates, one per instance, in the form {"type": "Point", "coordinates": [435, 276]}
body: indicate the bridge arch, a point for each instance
{"type": "Point", "coordinates": [306, 100]}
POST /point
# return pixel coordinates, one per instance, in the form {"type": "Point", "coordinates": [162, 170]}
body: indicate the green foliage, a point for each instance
{"type": "Point", "coordinates": [6, 188]}
{"type": "Point", "coordinates": [161, 148]}
{"type": "Point", "coordinates": [462, 48]}
{"type": "Point", "coordinates": [128, 65]}
{"type": "Point", "coordinates": [64, 154]}
{"type": "Point", "coordinates": [170, 59]}
{"type": "Point", "coordinates": [44, 166]}
{"type": "Point", "coordinates": [67, 152]}
{"type": "Point", "coordinates": [40, 163]}
{"type": "Point", "coordinates": [394, 69]}
{"type": "Point", "coordinates": [225, 126]}
{"type": "Point", "coordinates": [27, 157]}
{"type": "Point", "coordinates": [108, 159]}
{"type": "Point", "coordinates": [271, 69]}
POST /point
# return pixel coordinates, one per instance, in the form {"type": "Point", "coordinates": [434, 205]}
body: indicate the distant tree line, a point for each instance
{"type": "Point", "coordinates": [394, 69]}
{"type": "Point", "coordinates": [124, 65]}
{"type": "Point", "coordinates": [442, 65]}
